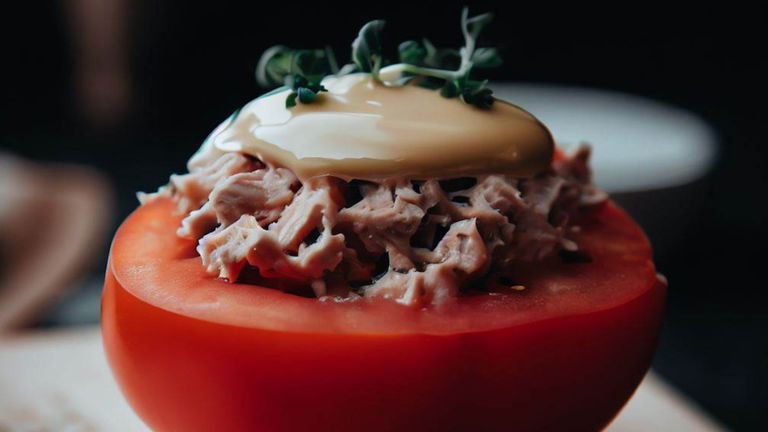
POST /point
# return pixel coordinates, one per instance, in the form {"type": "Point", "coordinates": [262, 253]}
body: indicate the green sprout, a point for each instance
{"type": "Point", "coordinates": [449, 70]}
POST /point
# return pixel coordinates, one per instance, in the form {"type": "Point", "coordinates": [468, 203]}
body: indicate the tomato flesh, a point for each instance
{"type": "Point", "coordinates": [192, 352]}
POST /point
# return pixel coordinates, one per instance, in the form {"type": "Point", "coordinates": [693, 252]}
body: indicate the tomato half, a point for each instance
{"type": "Point", "coordinates": [194, 353]}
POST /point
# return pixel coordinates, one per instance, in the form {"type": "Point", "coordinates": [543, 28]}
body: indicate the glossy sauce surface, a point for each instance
{"type": "Point", "coordinates": [364, 129]}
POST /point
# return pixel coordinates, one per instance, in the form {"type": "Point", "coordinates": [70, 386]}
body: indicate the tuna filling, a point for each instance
{"type": "Point", "coordinates": [414, 241]}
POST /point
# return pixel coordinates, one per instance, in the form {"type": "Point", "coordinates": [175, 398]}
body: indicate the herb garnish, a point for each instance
{"type": "Point", "coordinates": [299, 70]}
{"type": "Point", "coordinates": [446, 69]}
{"type": "Point", "coordinates": [367, 48]}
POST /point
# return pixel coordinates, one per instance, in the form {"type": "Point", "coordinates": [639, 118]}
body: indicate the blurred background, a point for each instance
{"type": "Point", "coordinates": [103, 98]}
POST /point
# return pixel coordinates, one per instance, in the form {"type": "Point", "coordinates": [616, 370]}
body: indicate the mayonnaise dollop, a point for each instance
{"type": "Point", "coordinates": [364, 129]}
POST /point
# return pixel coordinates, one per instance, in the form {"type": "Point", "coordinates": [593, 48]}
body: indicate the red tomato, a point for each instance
{"type": "Point", "coordinates": [193, 353]}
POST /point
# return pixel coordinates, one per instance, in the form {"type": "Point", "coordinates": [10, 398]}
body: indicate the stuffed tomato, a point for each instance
{"type": "Point", "coordinates": [195, 353]}
{"type": "Point", "coordinates": [356, 251]}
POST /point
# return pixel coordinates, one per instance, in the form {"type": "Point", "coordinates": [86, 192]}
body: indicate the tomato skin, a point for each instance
{"type": "Point", "coordinates": [570, 373]}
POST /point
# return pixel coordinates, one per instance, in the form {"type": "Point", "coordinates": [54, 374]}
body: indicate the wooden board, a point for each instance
{"type": "Point", "coordinates": [59, 381]}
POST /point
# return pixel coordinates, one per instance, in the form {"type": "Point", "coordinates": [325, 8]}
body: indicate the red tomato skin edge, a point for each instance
{"type": "Point", "coordinates": [572, 373]}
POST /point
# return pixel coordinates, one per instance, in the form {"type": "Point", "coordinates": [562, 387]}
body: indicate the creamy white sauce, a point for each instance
{"type": "Point", "coordinates": [364, 129]}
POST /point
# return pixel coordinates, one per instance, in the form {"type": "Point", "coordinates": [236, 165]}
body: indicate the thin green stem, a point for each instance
{"type": "Point", "coordinates": [376, 68]}
{"type": "Point", "coordinates": [425, 71]}
{"type": "Point", "coordinates": [469, 44]}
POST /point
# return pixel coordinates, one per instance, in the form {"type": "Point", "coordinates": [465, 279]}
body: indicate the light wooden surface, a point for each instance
{"type": "Point", "coordinates": [59, 381]}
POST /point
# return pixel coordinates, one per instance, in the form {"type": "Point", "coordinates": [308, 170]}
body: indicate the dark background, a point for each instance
{"type": "Point", "coordinates": [188, 66]}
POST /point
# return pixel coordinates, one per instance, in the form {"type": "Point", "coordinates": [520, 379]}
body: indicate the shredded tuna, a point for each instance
{"type": "Point", "coordinates": [263, 193]}
{"type": "Point", "coordinates": [416, 242]}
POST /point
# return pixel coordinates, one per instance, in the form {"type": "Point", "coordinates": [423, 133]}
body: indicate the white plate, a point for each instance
{"type": "Point", "coordinates": [639, 144]}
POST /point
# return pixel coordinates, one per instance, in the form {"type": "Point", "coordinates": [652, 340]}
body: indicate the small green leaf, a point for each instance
{"type": "Point", "coordinates": [442, 58]}
{"type": "Point", "coordinates": [290, 101]}
{"type": "Point", "coordinates": [306, 95]}
{"type": "Point", "coordinates": [486, 58]}
{"type": "Point", "coordinates": [293, 68]}
{"type": "Point", "coordinates": [367, 47]}
{"type": "Point", "coordinates": [449, 90]}
{"type": "Point", "coordinates": [480, 97]}
{"type": "Point", "coordinates": [273, 65]}
{"type": "Point", "coordinates": [484, 99]}
{"type": "Point", "coordinates": [304, 61]}
{"type": "Point", "coordinates": [411, 52]}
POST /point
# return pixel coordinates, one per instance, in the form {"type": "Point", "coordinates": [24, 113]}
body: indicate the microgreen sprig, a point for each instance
{"type": "Point", "coordinates": [424, 60]}
{"type": "Point", "coordinates": [449, 70]}
{"type": "Point", "coordinates": [299, 70]}
{"type": "Point", "coordinates": [367, 48]}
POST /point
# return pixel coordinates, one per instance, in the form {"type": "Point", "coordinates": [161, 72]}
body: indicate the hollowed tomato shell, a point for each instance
{"type": "Point", "coordinates": [194, 353]}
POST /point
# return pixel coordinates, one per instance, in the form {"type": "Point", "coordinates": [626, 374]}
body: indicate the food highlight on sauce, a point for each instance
{"type": "Point", "coordinates": [407, 181]}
